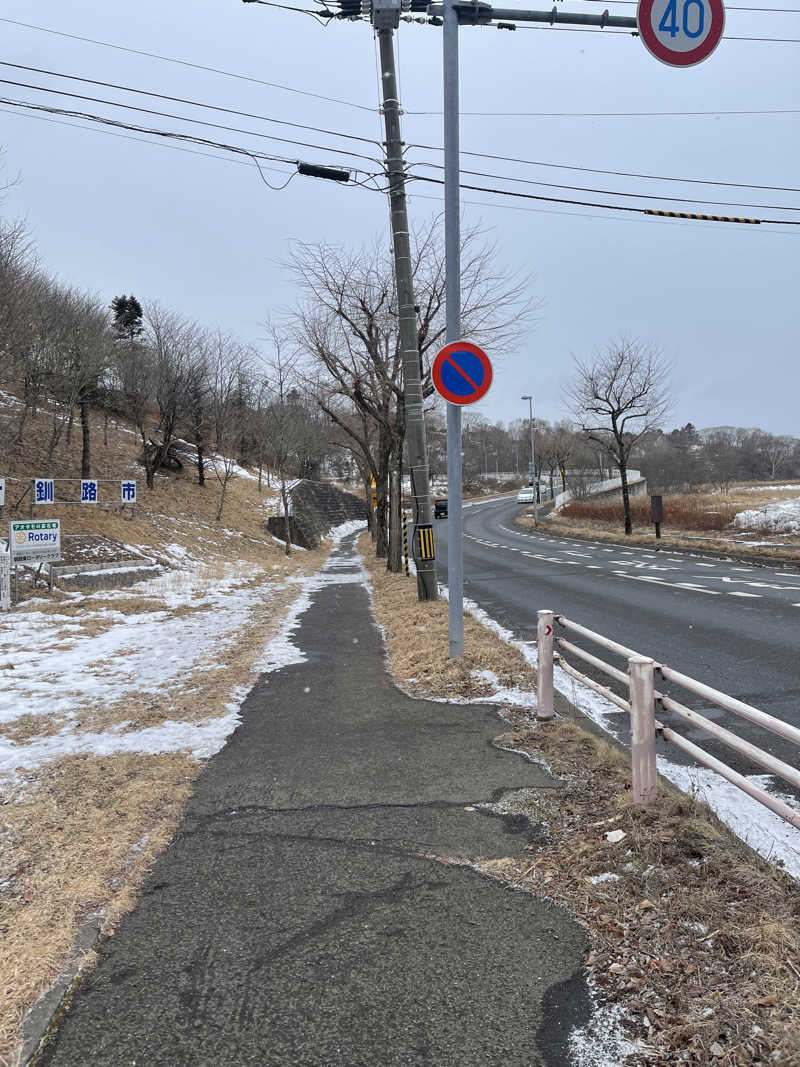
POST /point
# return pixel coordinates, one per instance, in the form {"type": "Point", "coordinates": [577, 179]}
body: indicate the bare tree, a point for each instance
{"type": "Point", "coordinates": [619, 396]}
{"type": "Point", "coordinates": [173, 342]}
{"type": "Point", "coordinates": [229, 364]}
{"type": "Point", "coordinates": [346, 328]}
{"type": "Point", "coordinates": [280, 424]}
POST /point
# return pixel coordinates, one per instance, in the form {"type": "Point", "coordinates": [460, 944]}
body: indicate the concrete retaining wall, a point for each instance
{"type": "Point", "coordinates": [314, 507]}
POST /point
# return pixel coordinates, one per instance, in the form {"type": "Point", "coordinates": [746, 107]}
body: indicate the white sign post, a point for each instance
{"type": "Point", "coordinates": [5, 580]}
{"type": "Point", "coordinates": [680, 32]}
{"type": "Point", "coordinates": [2, 492]}
{"type": "Point", "coordinates": [33, 542]}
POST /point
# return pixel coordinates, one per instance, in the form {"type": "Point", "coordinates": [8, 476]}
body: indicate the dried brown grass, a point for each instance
{"type": "Point", "coordinates": [699, 521]}
{"type": "Point", "coordinates": [698, 938]}
{"type": "Point", "coordinates": [418, 644]}
{"type": "Point", "coordinates": [79, 838]}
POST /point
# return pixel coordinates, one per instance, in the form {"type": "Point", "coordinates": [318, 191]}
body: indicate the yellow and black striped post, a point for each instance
{"type": "Point", "coordinates": [405, 542]}
{"type": "Point", "coordinates": [374, 494]}
{"type": "Point", "coordinates": [425, 545]}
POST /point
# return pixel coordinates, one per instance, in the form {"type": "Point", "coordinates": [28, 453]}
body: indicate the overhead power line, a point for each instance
{"type": "Point", "coordinates": [728, 7]}
{"type": "Point", "coordinates": [183, 118]}
{"type": "Point", "coordinates": [191, 103]}
{"type": "Point", "coordinates": [608, 207]}
{"type": "Point", "coordinates": [609, 114]}
{"type": "Point", "coordinates": [191, 65]}
{"type": "Point", "coordinates": [18, 112]}
{"type": "Point", "coordinates": [354, 137]}
{"type": "Point", "coordinates": [635, 33]}
{"type": "Point", "coordinates": [615, 192]}
{"type": "Point", "coordinates": [259, 155]}
{"type": "Point", "coordinates": [614, 173]}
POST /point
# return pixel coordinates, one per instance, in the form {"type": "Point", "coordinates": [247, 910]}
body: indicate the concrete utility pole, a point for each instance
{"type": "Point", "coordinates": [385, 18]}
{"type": "Point", "coordinates": [534, 479]}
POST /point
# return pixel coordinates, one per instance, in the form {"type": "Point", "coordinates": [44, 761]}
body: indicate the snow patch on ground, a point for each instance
{"type": "Point", "coordinates": [600, 1043]}
{"type": "Point", "coordinates": [606, 876]}
{"type": "Point", "coordinates": [756, 825]}
{"type": "Point", "coordinates": [782, 517]}
{"type": "Point", "coordinates": [765, 832]}
{"type": "Point", "coordinates": [50, 665]}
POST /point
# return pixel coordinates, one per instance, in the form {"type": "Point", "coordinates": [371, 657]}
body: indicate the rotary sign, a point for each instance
{"type": "Point", "coordinates": [34, 542]}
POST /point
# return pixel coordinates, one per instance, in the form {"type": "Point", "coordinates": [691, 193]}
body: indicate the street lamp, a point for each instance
{"type": "Point", "coordinates": [533, 461]}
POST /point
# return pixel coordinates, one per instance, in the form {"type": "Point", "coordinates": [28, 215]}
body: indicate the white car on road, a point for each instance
{"type": "Point", "coordinates": [525, 495]}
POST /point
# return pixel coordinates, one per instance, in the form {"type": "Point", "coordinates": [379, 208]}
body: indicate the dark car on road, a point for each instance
{"type": "Point", "coordinates": [440, 509]}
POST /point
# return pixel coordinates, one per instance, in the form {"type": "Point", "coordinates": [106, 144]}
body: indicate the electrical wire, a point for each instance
{"type": "Point", "coordinates": [615, 192]}
{"type": "Point", "coordinates": [315, 129]}
{"type": "Point", "coordinates": [650, 220]}
{"type": "Point", "coordinates": [127, 137]}
{"type": "Point", "coordinates": [183, 118]}
{"type": "Point", "coordinates": [168, 134]}
{"type": "Point", "coordinates": [188, 63]}
{"type": "Point", "coordinates": [585, 203]}
{"type": "Point", "coordinates": [285, 7]}
{"type": "Point", "coordinates": [635, 33]}
{"type": "Point", "coordinates": [614, 173]}
{"type": "Point", "coordinates": [191, 103]}
{"type": "Point", "coordinates": [252, 154]}
{"type": "Point", "coordinates": [607, 114]}
{"type": "Point", "coordinates": [767, 10]}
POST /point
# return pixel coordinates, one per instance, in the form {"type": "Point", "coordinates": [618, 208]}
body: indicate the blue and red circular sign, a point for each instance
{"type": "Point", "coordinates": [461, 373]}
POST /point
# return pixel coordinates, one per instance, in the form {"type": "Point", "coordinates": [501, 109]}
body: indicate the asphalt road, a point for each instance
{"type": "Point", "coordinates": [732, 625]}
{"type": "Point", "coordinates": [299, 917]}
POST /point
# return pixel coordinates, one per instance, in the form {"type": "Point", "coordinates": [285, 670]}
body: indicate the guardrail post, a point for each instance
{"type": "Point", "coordinates": [544, 682]}
{"type": "Point", "coordinates": [643, 729]}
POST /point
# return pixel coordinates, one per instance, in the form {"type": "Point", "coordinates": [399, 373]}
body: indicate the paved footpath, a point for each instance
{"type": "Point", "coordinates": [298, 917]}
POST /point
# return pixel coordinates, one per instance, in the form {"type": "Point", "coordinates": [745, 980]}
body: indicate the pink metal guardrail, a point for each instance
{"type": "Point", "coordinates": [644, 698]}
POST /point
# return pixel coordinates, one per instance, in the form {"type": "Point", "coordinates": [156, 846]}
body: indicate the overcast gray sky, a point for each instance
{"type": "Point", "coordinates": [206, 236]}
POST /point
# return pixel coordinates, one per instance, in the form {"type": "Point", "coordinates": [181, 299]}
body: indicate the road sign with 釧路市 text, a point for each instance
{"type": "Point", "coordinates": [680, 32]}
{"type": "Point", "coordinates": [2, 491]}
{"type": "Point", "coordinates": [34, 542]}
{"type": "Point", "coordinates": [461, 373]}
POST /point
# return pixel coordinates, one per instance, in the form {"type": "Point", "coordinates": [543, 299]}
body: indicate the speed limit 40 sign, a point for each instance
{"type": "Point", "coordinates": [680, 32]}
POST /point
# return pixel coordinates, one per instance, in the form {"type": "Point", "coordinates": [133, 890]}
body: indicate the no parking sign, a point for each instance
{"type": "Point", "coordinates": [461, 373]}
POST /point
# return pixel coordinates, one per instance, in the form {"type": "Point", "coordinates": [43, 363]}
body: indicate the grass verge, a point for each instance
{"type": "Point", "coordinates": [695, 936]}
{"type": "Point", "coordinates": [612, 533]}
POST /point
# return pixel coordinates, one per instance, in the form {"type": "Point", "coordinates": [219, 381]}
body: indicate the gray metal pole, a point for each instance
{"type": "Point", "coordinates": [534, 479]}
{"type": "Point", "coordinates": [452, 248]}
{"type": "Point", "coordinates": [533, 464]}
{"type": "Point", "coordinates": [407, 325]}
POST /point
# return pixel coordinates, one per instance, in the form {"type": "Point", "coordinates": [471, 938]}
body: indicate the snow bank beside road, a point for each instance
{"type": "Point", "coordinates": [780, 518]}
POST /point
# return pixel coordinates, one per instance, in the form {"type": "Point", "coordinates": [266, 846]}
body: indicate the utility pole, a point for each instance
{"type": "Point", "coordinates": [534, 479]}
{"type": "Point", "coordinates": [385, 18]}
